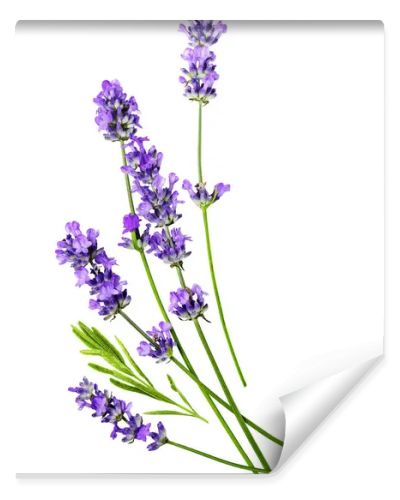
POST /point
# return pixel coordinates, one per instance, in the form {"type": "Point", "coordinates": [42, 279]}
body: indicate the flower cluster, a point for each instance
{"type": "Point", "coordinates": [144, 165]}
{"type": "Point", "coordinates": [162, 345]}
{"type": "Point", "coordinates": [169, 246]}
{"type": "Point", "coordinates": [116, 115]}
{"type": "Point", "coordinates": [188, 303]}
{"type": "Point", "coordinates": [93, 268]}
{"type": "Point", "coordinates": [203, 32]}
{"type": "Point", "coordinates": [200, 75]}
{"type": "Point", "coordinates": [201, 196]}
{"type": "Point", "coordinates": [159, 200]}
{"type": "Point", "coordinates": [117, 412]}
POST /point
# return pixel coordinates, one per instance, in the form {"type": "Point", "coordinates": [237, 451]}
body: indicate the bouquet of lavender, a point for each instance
{"type": "Point", "coordinates": [150, 228]}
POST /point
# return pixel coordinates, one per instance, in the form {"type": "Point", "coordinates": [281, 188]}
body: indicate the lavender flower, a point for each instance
{"type": "Point", "coordinates": [199, 78]}
{"type": "Point", "coordinates": [188, 303]}
{"type": "Point", "coordinates": [200, 75]}
{"type": "Point", "coordinates": [141, 242]}
{"type": "Point", "coordinates": [143, 164]}
{"type": "Point", "coordinates": [163, 343]}
{"type": "Point", "coordinates": [170, 247]}
{"type": "Point", "coordinates": [112, 410]}
{"type": "Point", "coordinates": [160, 438]}
{"type": "Point", "coordinates": [159, 201]}
{"type": "Point", "coordinates": [116, 115]}
{"type": "Point", "coordinates": [203, 32]}
{"type": "Point", "coordinates": [76, 248]}
{"type": "Point", "coordinates": [93, 268]}
{"type": "Point", "coordinates": [201, 196]}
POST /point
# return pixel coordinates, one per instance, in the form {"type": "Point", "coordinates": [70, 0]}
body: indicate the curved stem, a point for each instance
{"type": "Point", "coordinates": [213, 457]}
{"type": "Point", "coordinates": [209, 254]}
{"type": "Point", "coordinates": [229, 397]}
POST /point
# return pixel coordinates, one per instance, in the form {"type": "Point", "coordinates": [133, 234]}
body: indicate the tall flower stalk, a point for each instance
{"type": "Point", "coordinates": [198, 80]}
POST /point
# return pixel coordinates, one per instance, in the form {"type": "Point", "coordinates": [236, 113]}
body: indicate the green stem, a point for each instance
{"type": "Point", "coordinates": [213, 457]}
{"type": "Point", "coordinates": [210, 257]}
{"type": "Point", "coordinates": [199, 143]}
{"type": "Point", "coordinates": [222, 402]}
{"type": "Point", "coordinates": [195, 379]}
{"type": "Point", "coordinates": [229, 397]}
{"type": "Point", "coordinates": [218, 414]}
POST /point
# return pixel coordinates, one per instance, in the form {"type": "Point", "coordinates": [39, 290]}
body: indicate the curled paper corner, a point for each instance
{"type": "Point", "coordinates": [306, 408]}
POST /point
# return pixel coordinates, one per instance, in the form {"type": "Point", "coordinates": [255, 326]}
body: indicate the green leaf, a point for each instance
{"type": "Point", "coordinates": [175, 389]}
{"type": "Point", "coordinates": [91, 352]}
{"type": "Point", "coordinates": [167, 412]}
{"type": "Point", "coordinates": [133, 362]}
{"type": "Point", "coordinates": [116, 364]}
{"type": "Point", "coordinates": [130, 388]}
{"type": "Point", "coordinates": [101, 341]}
{"type": "Point", "coordinates": [84, 338]}
{"type": "Point", "coordinates": [103, 369]}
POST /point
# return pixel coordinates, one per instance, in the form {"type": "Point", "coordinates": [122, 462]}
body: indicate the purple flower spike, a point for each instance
{"type": "Point", "coordinates": [169, 247]}
{"type": "Point", "coordinates": [163, 343]}
{"type": "Point", "coordinates": [201, 196]}
{"type": "Point", "coordinates": [203, 32]}
{"type": "Point", "coordinates": [116, 115]}
{"type": "Point", "coordinates": [188, 303]}
{"type": "Point", "coordinates": [159, 200]}
{"type": "Point", "coordinates": [160, 438]}
{"type": "Point", "coordinates": [93, 268]}
{"type": "Point", "coordinates": [199, 76]}
{"type": "Point", "coordinates": [143, 164]}
{"type": "Point", "coordinates": [114, 411]}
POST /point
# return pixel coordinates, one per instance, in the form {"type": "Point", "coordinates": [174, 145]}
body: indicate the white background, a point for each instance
{"type": "Point", "coordinates": [310, 471]}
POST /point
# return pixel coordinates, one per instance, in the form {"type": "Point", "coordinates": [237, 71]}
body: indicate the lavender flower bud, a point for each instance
{"type": "Point", "coordinates": [203, 32]}
{"type": "Point", "coordinates": [163, 343]}
{"type": "Point", "coordinates": [159, 201]}
{"type": "Point", "coordinates": [160, 437]}
{"type": "Point", "coordinates": [200, 75]}
{"type": "Point", "coordinates": [114, 411]}
{"type": "Point", "coordinates": [169, 247]}
{"type": "Point", "coordinates": [116, 115]}
{"type": "Point", "coordinates": [201, 196]}
{"type": "Point", "coordinates": [188, 303]}
{"type": "Point", "coordinates": [93, 268]}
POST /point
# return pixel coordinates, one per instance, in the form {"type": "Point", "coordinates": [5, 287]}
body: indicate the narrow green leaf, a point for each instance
{"type": "Point", "coordinates": [130, 388]}
{"type": "Point", "coordinates": [116, 364]}
{"type": "Point", "coordinates": [167, 412]}
{"type": "Point", "coordinates": [175, 388]}
{"type": "Point", "coordinates": [103, 369]}
{"type": "Point", "coordinates": [91, 352]}
{"type": "Point", "coordinates": [132, 361]}
{"type": "Point", "coordinates": [84, 338]}
{"type": "Point", "coordinates": [109, 346]}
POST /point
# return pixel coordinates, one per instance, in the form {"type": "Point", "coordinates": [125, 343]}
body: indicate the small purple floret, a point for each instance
{"type": "Point", "coordinates": [163, 343]}
{"type": "Point", "coordinates": [188, 303]}
{"type": "Point", "coordinates": [160, 437]}
{"type": "Point", "coordinates": [201, 196]}
{"type": "Point", "coordinates": [170, 247]}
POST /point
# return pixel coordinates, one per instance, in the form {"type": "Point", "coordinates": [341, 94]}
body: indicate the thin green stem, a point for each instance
{"type": "Point", "coordinates": [218, 414]}
{"type": "Point", "coordinates": [218, 297]}
{"type": "Point", "coordinates": [209, 252]}
{"type": "Point", "coordinates": [213, 457]}
{"type": "Point", "coordinates": [195, 379]}
{"type": "Point", "coordinates": [199, 142]}
{"type": "Point", "coordinates": [229, 397]}
{"type": "Point", "coordinates": [226, 405]}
